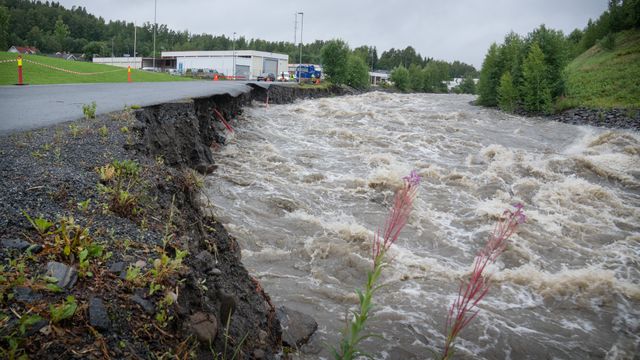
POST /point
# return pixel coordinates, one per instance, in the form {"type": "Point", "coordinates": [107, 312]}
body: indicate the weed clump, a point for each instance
{"type": "Point", "coordinates": [118, 180]}
{"type": "Point", "coordinates": [89, 111]}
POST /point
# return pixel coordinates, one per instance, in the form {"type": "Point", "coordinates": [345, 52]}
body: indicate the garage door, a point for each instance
{"type": "Point", "coordinates": [270, 66]}
{"type": "Point", "coordinates": [242, 71]}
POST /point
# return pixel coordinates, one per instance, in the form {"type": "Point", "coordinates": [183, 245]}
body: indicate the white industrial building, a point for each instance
{"type": "Point", "coordinates": [249, 64]}
{"type": "Point", "coordinates": [134, 62]}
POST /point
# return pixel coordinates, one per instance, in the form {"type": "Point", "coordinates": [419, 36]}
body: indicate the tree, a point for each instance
{"type": "Point", "coordinates": [511, 55]}
{"type": "Point", "coordinates": [435, 73]}
{"type": "Point", "coordinates": [34, 37]}
{"type": "Point", "coordinates": [335, 55]}
{"type": "Point", "coordinates": [507, 93]}
{"type": "Point", "coordinates": [94, 48]}
{"type": "Point", "coordinates": [61, 31]}
{"type": "Point", "coordinates": [535, 89]}
{"type": "Point", "coordinates": [556, 49]}
{"type": "Point", "coordinates": [4, 28]}
{"type": "Point", "coordinates": [489, 78]}
{"type": "Point", "coordinates": [416, 78]}
{"type": "Point", "coordinates": [400, 78]}
{"type": "Point", "coordinates": [357, 72]}
{"type": "Point", "coordinates": [467, 86]}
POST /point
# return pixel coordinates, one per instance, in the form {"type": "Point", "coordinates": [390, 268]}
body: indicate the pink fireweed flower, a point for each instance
{"type": "Point", "coordinates": [413, 178]}
{"type": "Point", "coordinates": [397, 219]}
{"type": "Point", "coordinates": [464, 308]}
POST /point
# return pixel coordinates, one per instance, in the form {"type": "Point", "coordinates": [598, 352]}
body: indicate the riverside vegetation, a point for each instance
{"type": "Point", "coordinates": [547, 71]}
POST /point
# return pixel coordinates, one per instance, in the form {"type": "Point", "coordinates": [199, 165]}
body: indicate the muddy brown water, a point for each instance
{"type": "Point", "coordinates": [303, 186]}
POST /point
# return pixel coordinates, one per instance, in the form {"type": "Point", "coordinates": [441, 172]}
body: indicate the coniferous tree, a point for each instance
{"type": "Point", "coordinates": [489, 78]}
{"type": "Point", "coordinates": [535, 89]}
{"type": "Point", "coordinates": [507, 93]}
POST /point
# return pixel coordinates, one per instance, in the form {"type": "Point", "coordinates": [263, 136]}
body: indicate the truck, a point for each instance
{"type": "Point", "coordinates": [308, 72]}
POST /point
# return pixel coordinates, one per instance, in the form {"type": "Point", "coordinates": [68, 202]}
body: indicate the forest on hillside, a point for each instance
{"type": "Point", "coordinates": [527, 73]}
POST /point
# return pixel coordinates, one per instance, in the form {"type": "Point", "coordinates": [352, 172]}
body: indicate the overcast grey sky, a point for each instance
{"type": "Point", "coordinates": [447, 30]}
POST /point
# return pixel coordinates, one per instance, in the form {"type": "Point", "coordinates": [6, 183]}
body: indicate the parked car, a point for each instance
{"type": "Point", "coordinates": [266, 77]}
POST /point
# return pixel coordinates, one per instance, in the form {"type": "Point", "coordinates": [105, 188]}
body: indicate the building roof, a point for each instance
{"type": "Point", "coordinates": [224, 53]}
{"type": "Point", "coordinates": [24, 49]}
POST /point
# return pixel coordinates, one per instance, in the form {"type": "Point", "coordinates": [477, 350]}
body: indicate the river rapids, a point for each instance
{"type": "Point", "coordinates": [304, 186]}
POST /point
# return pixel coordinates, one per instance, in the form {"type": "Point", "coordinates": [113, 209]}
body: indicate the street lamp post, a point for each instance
{"type": "Point", "coordinates": [155, 25]}
{"type": "Point", "coordinates": [301, 29]}
{"type": "Point", "coordinates": [234, 55]}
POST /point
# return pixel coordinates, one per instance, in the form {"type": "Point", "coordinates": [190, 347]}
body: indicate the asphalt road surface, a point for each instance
{"type": "Point", "coordinates": [34, 106]}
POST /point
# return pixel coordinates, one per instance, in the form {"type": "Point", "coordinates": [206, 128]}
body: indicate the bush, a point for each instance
{"type": "Point", "coordinates": [400, 78]}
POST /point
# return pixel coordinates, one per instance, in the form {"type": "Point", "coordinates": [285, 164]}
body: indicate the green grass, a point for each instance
{"type": "Point", "coordinates": [36, 74]}
{"type": "Point", "coordinates": [601, 78]}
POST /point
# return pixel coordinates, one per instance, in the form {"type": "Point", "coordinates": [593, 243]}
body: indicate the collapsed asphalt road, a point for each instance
{"type": "Point", "coordinates": [35, 106]}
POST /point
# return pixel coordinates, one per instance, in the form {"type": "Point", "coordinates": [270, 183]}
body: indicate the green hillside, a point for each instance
{"type": "Point", "coordinates": [46, 70]}
{"type": "Point", "coordinates": [600, 78]}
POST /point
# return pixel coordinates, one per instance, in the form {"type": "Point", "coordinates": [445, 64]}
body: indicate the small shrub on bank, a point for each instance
{"type": "Point", "coordinates": [89, 111]}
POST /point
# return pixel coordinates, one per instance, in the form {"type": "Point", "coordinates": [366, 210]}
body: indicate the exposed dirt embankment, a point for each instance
{"type": "Point", "coordinates": [105, 252]}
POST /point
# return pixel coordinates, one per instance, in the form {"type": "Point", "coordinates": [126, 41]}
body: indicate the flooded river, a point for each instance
{"type": "Point", "coordinates": [303, 186]}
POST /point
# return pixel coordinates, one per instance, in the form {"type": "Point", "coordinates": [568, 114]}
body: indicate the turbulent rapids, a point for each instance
{"type": "Point", "coordinates": [304, 186]}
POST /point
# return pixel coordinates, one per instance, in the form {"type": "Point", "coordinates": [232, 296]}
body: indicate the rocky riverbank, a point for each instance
{"type": "Point", "coordinates": [105, 251]}
{"type": "Point", "coordinates": [610, 118]}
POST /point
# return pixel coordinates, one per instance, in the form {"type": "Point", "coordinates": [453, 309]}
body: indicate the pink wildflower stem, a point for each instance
{"type": "Point", "coordinates": [398, 217]}
{"type": "Point", "coordinates": [464, 308]}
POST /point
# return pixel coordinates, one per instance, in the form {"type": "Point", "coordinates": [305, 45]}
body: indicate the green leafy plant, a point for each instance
{"type": "Point", "coordinates": [162, 309]}
{"type": "Point", "coordinates": [118, 179]}
{"type": "Point", "coordinates": [89, 111]}
{"type": "Point", "coordinates": [92, 251]}
{"type": "Point", "coordinates": [71, 237]}
{"type": "Point", "coordinates": [103, 131]}
{"type": "Point", "coordinates": [16, 338]}
{"type": "Point", "coordinates": [41, 224]}
{"type": "Point", "coordinates": [75, 130]}
{"type": "Point", "coordinates": [84, 205]}
{"type": "Point", "coordinates": [163, 268]}
{"type": "Point", "coordinates": [63, 311]}
{"type": "Point", "coordinates": [134, 276]}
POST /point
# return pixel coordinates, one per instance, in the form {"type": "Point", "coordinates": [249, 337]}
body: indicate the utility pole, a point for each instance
{"type": "Point", "coordinates": [112, 48]}
{"type": "Point", "coordinates": [155, 26]}
{"type": "Point", "coordinates": [234, 55]}
{"type": "Point", "coordinates": [135, 40]}
{"type": "Point", "coordinates": [301, 29]}
{"type": "Point", "coordinates": [295, 28]}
